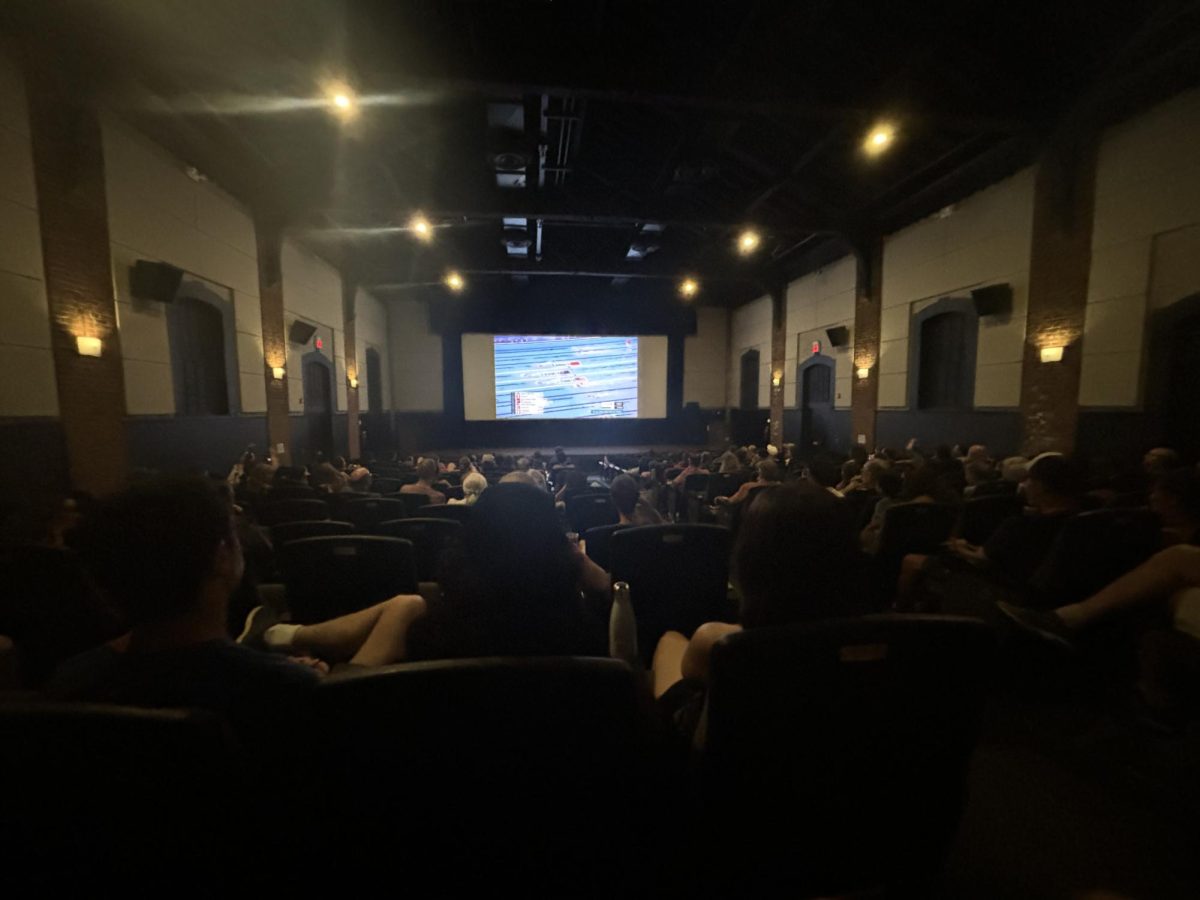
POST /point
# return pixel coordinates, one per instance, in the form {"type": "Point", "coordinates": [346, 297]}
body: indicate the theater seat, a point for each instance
{"type": "Point", "coordinates": [500, 773]}
{"type": "Point", "coordinates": [1093, 549]}
{"type": "Point", "coordinates": [103, 796]}
{"type": "Point", "coordinates": [678, 578]}
{"type": "Point", "coordinates": [294, 531]}
{"type": "Point", "coordinates": [455, 512]}
{"type": "Point", "coordinates": [386, 485]}
{"type": "Point", "coordinates": [431, 538]}
{"type": "Point", "coordinates": [598, 544]}
{"type": "Point", "coordinates": [910, 528]}
{"type": "Point", "coordinates": [981, 516]}
{"type": "Point", "coordinates": [327, 577]}
{"type": "Point", "coordinates": [413, 503]}
{"type": "Point", "coordinates": [839, 750]}
{"type": "Point", "coordinates": [367, 513]}
{"type": "Point", "coordinates": [590, 510]}
{"type": "Point", "coordinates": [276, 512]}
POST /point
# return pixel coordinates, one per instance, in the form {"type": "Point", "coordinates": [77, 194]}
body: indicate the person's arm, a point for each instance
{"type": "Point", "coordinates": [699, 649]}
{"type": "Point", "coordinates": [968, 551]}
{"type": "Point", "coordinates": [592, 578]}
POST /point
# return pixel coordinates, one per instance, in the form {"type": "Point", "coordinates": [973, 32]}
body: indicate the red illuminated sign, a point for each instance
{"type": "Point", "coordinates": [816, 347]}
{"type": "Point", "coordinates": [320, 343]}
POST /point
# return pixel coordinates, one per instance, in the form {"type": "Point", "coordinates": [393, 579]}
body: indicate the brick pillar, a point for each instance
{"type": "Point", "coordinates": [68, 161]}
{"type": "Point", "coordinates": [349, 312]}
{"type": "Point", "coordinates": [778, 360]}
{"type": "Point", "coordinates": [868, 303]}
{"type": "Point", "coordinates": [270, 295]}
{"type": "Point", "coordinates": [1059, 261]}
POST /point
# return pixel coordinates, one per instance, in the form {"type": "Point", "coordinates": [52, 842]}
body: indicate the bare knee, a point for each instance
{"type": "Point", "coordinates": [1183, 561]}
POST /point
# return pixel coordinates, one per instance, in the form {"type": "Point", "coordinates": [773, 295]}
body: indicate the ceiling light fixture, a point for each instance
{"type": "Point", "coordinates": [341, 99]}
{"type": "Point", "coordinates": [879, 139]}
{"type": "Point", "coordinates": [689, 288]}
{"type": "Point", "coordinates": [421, 227]}
{"type": "Point", "coordinates": [1051, 354]}
{"type": "Point", "coordinates": [454, 281]}
{"type": "Point", "coordinates": [748, 241]}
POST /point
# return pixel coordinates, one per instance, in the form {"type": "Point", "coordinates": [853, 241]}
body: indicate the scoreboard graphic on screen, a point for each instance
{"type": "Point", "coordinates": [565, 377]}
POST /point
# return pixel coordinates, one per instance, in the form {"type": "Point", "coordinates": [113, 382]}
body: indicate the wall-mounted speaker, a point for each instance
{"type": "Point", "coordinates": [993, 300]}
{"type": "Point", "coordinates": [301, 332]}
{"type": "Point", "coordinates": [149, 280]}
{"type": "Point", "coordinates": [839, 336]}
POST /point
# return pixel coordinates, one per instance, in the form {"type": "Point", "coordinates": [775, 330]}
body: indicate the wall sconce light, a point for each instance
{"type": "Point", "coordinates": [354, 383]}
{"type": "Point", "coordinates": [278, 372]}
{"type": "Point", "coordinates": [88, 346]}
{"type": "Point", "coordinates": [1051, 354]}
{"type": "Point", "coordinates": [776, 378]}
{"type": "Point", "coordinates": [863, 373]}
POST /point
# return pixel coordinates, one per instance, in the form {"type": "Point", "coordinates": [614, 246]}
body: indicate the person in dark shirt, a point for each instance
{"type": "Point", "coordinates": [167, 555]}
{"type": "Point", "coordinates": [1019, 545]}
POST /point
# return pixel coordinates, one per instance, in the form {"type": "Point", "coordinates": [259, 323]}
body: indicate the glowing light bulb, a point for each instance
{"type": "Point", "coordinates": [879, 139]}
{"type": "Point", "coordinates": [748, 241]}
{"type": "Point", "coordinates": [689, 287]}
{"type": "Point", "coordinates": [454, 281]}
{"type": "Point", "coordinates": [421, 227]}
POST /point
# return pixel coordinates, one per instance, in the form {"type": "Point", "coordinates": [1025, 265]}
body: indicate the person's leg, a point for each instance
{"type": "Point", "coordinates": [667, 667]}
{"type": "Point", "coordinates": [341, 639]}
{"type": "Point", "coordinates": [387, 641]}
{"type": "Point", "coordinates": [1158, 577]}
{"type": "Point", "coordinates": [910, 571]}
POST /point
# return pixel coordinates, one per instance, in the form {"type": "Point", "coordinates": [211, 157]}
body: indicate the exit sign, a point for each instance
{"type": "Point", "coordinates": [816, 347]}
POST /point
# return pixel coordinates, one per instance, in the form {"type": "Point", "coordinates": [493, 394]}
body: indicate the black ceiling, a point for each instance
{"type": "Point", "coordinates": [665, 127]}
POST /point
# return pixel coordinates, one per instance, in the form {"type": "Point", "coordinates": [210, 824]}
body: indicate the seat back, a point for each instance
{"type": "Point", "coordinates": [413, 503]}
{"type": "Point", "coordinates": [431, 539]}
{"type": "Point", "coordinates": [525, 774]}
{"type": "Point", "coordinates": [839, 750]}
{"type": "Point", "coordinates": [723, 485]}
{"type": "Point", "coordinates": [386, 485]}
{"type": "Point", "coordinates": [999, 488]}
{"type": "Point", "coordinates": [598, 544]}
{"type": "Point", "coordinates": [591, 509]}
{"type": "Point", "coordinates": [696, 483]}
{"type": "Point", "coordinates": [276, 512]}
{"type": "Point", "coordinates": [293, 492]}
{"type": "Point", "coordinates": [369, 512]}
{"type": "Point", "coordinates": [981, 516]}
{"type": "Point", "coordinates": [294, 531]}
{"type": "Point", "coordinates": [1093, 549]}
{"type": "Point", "coordinates": [678, 577]}
{"type": "Point", "coordinates": [50, 608]}
{"type": "Point", "coordinates": [455, 512]}
{"type": "Point", "coordinates": [326, 577]}
{"type": "Point", "coordinates": [95, 792]}
{"type": "Point", "coordinates": [910, 528]}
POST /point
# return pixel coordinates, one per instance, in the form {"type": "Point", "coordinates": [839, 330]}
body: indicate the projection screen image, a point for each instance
{"type": "Point", "coordinates": [543, 376]}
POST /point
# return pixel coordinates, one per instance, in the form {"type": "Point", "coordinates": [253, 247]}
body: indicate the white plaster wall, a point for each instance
{"type": "Point", "coordinates": [750, 329]}
{"type": "Point", "coordinates": [416, 358]}
{"type": "Point", "coordinates": [27, 381]}
{"type": "Point", "coordinates": [819, 301]}
{"type": "Point", "coordinates": [703, 358]}
{"type": "Point", "coordinates": [985, 239]}
{"type": "Point", "coordinates": [312, 291]}
{"type": "Point", "coordinates": [1147, 197]}
{"type": "Point", "coordinates": [155, 211]}
{"type": "Point", "coordinates": [371, 330]}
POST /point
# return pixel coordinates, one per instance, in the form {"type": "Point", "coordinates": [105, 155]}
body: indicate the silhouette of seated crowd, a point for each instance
{"type": "Point", "coordinates": [408, 642]}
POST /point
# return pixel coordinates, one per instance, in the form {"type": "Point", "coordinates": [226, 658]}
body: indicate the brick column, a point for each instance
{"type": "Point", "coordinates": [868, 303]}
{"type": "Point", "coordinates": [1060, 258]}
{"type": "Point", "coordinates": [778, 360]}
{"type": "Point", "coordinates": [270, 295]}
{"type": "Point", "coordinates": [349, 312]}
{"type": "Point", "coordinates": [68, 161]}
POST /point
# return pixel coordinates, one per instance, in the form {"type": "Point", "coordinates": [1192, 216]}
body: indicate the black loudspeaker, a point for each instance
{"type": "Point", "coordinates": [993, 300]}
{"type": "Point", "coordinates": [301, 332]}
{"type": "Point", "coordinates": [838, 337]}
{"type": "Point", "coordinates": [150, 280]}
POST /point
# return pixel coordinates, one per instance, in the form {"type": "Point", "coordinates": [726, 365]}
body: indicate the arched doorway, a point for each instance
{"type": "Point", "coordinates": [200, 333]}
{"type": "Point", "coordinates": [814, 388]}
{"type": "Point", "coordinates": [1174, 384]}
{"type": "Point", "coordinates": [749, 383]}
{"type": "Point", "coordinates": [318, 405]}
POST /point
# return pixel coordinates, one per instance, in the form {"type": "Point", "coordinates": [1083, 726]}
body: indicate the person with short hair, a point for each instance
{"type": "Point", "coordinates": [631, 508]}
{"type": "Point", "coordinates": [427, 473]}
{"type": "Point", "coordinates": [769, 475]}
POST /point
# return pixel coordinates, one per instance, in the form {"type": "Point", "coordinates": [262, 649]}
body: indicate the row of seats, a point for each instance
{"type": "Point", "coordinates": [837, 751]}
{"type": "Point", "coordinates": [363, 512]}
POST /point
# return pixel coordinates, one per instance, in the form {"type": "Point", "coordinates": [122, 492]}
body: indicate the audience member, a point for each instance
{"type": "Point", "coordinates": [768, 476]}
{"type": "Point", "coordinates": [1175, 499]}
{"type": "Point", "coordinates": [427, 473]}
{"type": "Point", "coordinates": [794, 535]}
{"type": "Point", "coordinates": [473, 485]}
{"type": "Point", "coordinates": [631, 508]}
